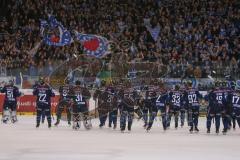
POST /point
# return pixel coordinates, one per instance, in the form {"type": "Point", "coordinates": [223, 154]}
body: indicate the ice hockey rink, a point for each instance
{"type": "Point", "coordinates": [22, 141]}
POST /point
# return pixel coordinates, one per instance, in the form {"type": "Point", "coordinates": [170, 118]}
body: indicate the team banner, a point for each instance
{"type": "Point", "coordinates": [27, 103]}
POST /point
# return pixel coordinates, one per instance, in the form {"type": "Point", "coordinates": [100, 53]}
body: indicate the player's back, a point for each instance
{"type": "Point", "coordinates": [150, 93]}
{"type": "Point", "coordinates": [161, 97]}
{"type": "Point", "coordinates": [192, 97]}
{"type": "Point", "coordinates": [175, 98]}
{"type": "Point", "coordinates": [128, 96]}
{"type": "Point", "coordinates": [80, 95]}
{"type": "Point", "coordinates": [220, 96]}
{"type": "Point", "coordinates": [64, 91]}
{"type": "Point", "coordinates": [234, 99]}
{"type": "Point", "coordinates": [11, 93]}
{"type": "Point", "coordinates": [44, 94]}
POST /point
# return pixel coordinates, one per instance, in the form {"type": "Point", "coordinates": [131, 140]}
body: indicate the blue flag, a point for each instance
{"type": "Point", "coordinates": [43, 26]}
{"type": "Point", "coordinates": [63, 38]}
{"type": "Point", "coordinates": [154, 32]}
{"type": "Point", "coordinates": [94, 45]}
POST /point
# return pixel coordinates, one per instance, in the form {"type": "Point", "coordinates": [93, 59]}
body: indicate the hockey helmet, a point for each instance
{"type": "Point", "coordinates": [177, 87]}
{"type": "Point", "coordinates": [41, 80]}
{"type": "Point", "coordinates": [78, 82]}
{"type": "Point", "coordinates": [11, 82]}
{"type": "Point", "coordinates": [103, 83]}
{"type": "Point", "coordinates": [237, 87]}
{"type": "Point", "coordinates": [217, 84]}
{"type": "Point", "coordinates": [224, 84]}
{"type": "Point", "coordinates": [189, 83]}
{"type": "Point", "coordinates": [67, 80]}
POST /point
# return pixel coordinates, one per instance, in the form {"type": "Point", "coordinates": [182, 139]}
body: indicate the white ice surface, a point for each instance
{"type": "Point", "coordinates": [22, 141]}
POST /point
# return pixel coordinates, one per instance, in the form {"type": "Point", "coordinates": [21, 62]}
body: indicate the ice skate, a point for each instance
{"type": "Point", "coordinates": [196, 129]}
{"type": "Point", "coordinates": [57, 123]}
{"type": "Point", "coordinates": [191, 130]}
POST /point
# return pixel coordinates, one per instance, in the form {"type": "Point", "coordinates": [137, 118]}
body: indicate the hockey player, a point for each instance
{"type": "Point", "coordinates": [192, 101]}
{"type": "Point", "coordinates": [216, 100]}
{"type": "Point", "coordinates": [102, 108]}
{"type": "Point", "coordinates": [113, 100]}
{"type": "Point", "coordinates": [10, 102]}
{"type": "Point", "coordinates": [148, 105]}
{"type": "Point", "coordinates": [80, 104]}
{"type": "Point", "coordinates": [43, 112]}
{"type": "Point", "coordinates": [227, 109]}
{"type": "Point", "coordinates": [212, 111]}
{"type": "Point", "coordinates": [183, 107]}
{"type": "Point", "coordinates": [127, 96]}
{"type": "Point", "coordinates": [64, 102]}
{"type": "Point", "coordinates": [175, 102]}
{"type": "Point", "coordinates": [151, 106]}
{"type": "Point", "coordinates": [44, 93]}
{"type": "Point", "coordinates": [161, 102]}
{"type": "Point", "coordinates": [230, 115]}
{"type": "Point", "coordinates": [234, 100]}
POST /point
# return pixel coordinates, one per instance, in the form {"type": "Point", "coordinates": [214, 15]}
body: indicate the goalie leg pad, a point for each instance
{"type": "Point", "coordinates": [76, 121]}
{"type": "Point", "coordinates": [14, 116]}
{"type": "Point", "coordinates": [6, 115]}
{"type": "Point", "coordinates": [87, 124]}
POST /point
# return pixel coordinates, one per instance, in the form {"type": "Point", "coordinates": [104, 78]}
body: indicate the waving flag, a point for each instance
{"type": "Point", "coordinates": [43, 26]}
{"type": "Point", "coordinates": [154, 32]}
{"type": "Point", "coordinates": [63, 38]}
{"type": "Point", "coordinates": [53, 22]}
{"type": "Point", "coordinates": [94, 45]}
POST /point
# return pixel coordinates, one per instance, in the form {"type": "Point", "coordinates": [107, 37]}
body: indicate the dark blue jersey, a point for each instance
{"type": "Point", "coordinates": [161, 98]}
{"type": "Point", "coordinates": [175, 98]}
{"type": "Point", "coordinates": [227, 91]}
{"type": "Point", "coordinates": [128, 96]}
{"type": "Point", "coordinates": [211, 98]}
{"type": "Point", "coordinates": [220, 97]}
{"type": "Point", "coordinates": [11, 93]}
{"type": "Point", "coordinates": [64, 92]}
{"type": "Point", "coordinates": [109, 96]}
{"type": "Point", "coordinates": [44, 94]}
{"type": "Point", "coordinates": [150, 95]}
{"type": "Point", "coordinates": [234, 99]}
{"type": "Point", "coordinates": [80, 95]}
{"type": "Point", "coordinates": [35, 85]}
{"type": "Point", "coordinates": [192, 97]}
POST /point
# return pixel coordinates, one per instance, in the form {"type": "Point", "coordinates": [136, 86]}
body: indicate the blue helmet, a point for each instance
{"type": "Point", "coordinates": [78, 82]}
{"type": "Point", "coordinates": [11, 82]}
{"type": "Point", "coordinates": [67, 80]}
{"type": "Point", "coordinates": [237, 87]}
{"type": "Point", "coordinates": [41, 80]}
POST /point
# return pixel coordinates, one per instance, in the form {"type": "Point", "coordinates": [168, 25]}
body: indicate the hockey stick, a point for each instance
{"type": "Point", "coordinates": [21, 86]}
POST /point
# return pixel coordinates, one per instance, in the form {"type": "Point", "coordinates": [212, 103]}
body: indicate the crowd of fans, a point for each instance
{"type": "Point", "coordinates": [203, 33]}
